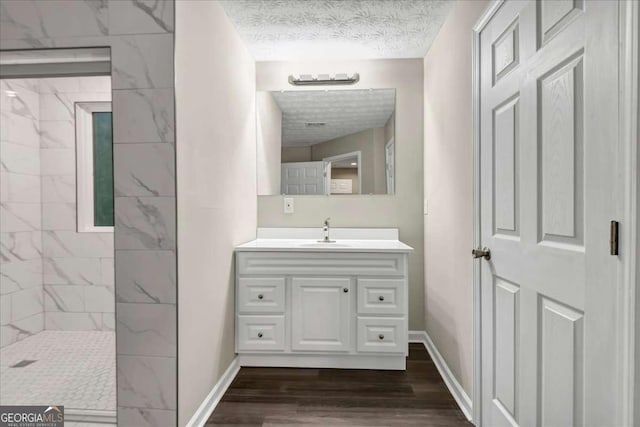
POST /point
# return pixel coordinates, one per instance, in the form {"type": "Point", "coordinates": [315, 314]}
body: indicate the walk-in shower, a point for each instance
{"type": "Point", "coordinates": [57, 303]}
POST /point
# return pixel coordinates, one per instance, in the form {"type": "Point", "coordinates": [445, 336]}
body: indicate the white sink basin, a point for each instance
{"type": "Point", "coordinates": [324, 245]}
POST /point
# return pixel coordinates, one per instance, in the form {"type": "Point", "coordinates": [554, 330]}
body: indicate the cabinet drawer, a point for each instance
{"type": "Point", "coordinates": [261, 333]}
{"type": "Point", "coordinates": [257, 295]}
{"type": "Point", "coordinates": [381, 296]}
{"type": "Point", "coordinates": [381, 335]}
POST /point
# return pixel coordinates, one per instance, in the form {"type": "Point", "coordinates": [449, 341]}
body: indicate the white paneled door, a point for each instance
{"type": "Point", "coordinates": [548, 144]}
{"type": "Point", "coordinates": [302, 178]}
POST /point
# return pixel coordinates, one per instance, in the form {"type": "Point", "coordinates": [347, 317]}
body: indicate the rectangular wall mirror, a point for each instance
{"type": "Point", "coordinates": [325, 142]}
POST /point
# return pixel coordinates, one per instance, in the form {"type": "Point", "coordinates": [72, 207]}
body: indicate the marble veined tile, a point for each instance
{"type": "Point", "coordinates": [144, 169]}
{"type": "Point", "coordinates": [140, 16]}
{"type": "Point", "coordinates": [146, 276]}
{"type": "Point", "coordinates": [19, 216]}
{"type": "Point", "coordinates": [17, 275]}
{"type": "Point", "coordinates": [58, 161]}
{"type": "Point", "coordinates": [146, 329]}
{"type": "Point", "coordinates": [145, 223]}
{"type": "Point", "coordinates": [71, 271]}
{"type": "Point", "coordinates": [59, 189]}
{"type": "Point", "coordinates": [19, 188]}
{"type": "Point", "coordinates": [20, 246]}
{"type": "Point", "coordinates": [21, 329]}
{"type": "Point", "coordinates": [58, 216]}
{"type": "Point", "coordinates": [146, 382]}
{"type": "Point", "coordinates": [99, 299]}
{"type": "Point", "coordinates": [19, 129]}
{"type": "Point", "coordinates": [64, 243]}
{"type": "Point", "coordinates": [142, 61]}
{"type": "Point", "coordinates": [20, 159]}
{"type": "Point", "coordinates": [64, 321]}
{"type": "Point", "coordinates": [57, 134]}
{"type": "Point", "coordinates": [17, 100]}
{"type": "Point", "coordinates": [33, 19]}
{"type": "Point", "coordinates": [144, 115]}
{"type": "Point", "coordinates": [107, 269]}
{"type": "Point", "coordinates": [89, 84]}
{"type": "Point", "coordinates": [145, 417]}
{"type": "Point", "coordinates": [25, 303]}
{"type": "Point", "coordinates": [66, 298]}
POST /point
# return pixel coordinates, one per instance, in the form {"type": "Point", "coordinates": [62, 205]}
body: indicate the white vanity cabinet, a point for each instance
{"type": "Point", "coordinates": [334, 306]}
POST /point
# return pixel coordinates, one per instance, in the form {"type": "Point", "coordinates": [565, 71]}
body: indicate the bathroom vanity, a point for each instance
{"type": "Point", "coordinates": [303, 302]}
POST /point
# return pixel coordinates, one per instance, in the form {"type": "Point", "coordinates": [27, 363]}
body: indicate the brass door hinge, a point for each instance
{"type": "Point", "coordinates": [613, 237]}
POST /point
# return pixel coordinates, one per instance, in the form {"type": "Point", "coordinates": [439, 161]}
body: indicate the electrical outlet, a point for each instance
{"type": "Point", "coordinates": [288, 205]}
{"type": "Point", "coordinates": [425, 207]}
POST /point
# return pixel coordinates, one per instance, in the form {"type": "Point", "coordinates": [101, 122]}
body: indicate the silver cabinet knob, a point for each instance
{"type": "Point", "coordinates": [345, 290]}
{"type": "Point", "coordinates": [260, 296]}
{"type": "Point", "coordinates": [381, 298]}
{"type": "Point", "coordinates": [259, 334]}
{"type": "Point", "coordinates": [381, 336]}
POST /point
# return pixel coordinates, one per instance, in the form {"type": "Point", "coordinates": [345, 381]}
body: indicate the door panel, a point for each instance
{"type": "Point", "coordinates": [548, 140]}
{"type": "Point", "coordinates": [561, 364]}
{"type": "Point", "coordinates": [321, 314]}
{"type": "Point", "coordinates": [561, 93]}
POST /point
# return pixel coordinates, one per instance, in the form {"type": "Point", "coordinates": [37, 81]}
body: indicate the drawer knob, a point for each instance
{"type": "Point", "coordinates": [381, 336]}
{"type": "Point", "coordinates": [381, 298]}
{"type": "Point", "coordinates": [345, 290]}
{"type": "Point", "coordinates": [260, 296]}
{"type": "Point", "coordinates": [259, 334]}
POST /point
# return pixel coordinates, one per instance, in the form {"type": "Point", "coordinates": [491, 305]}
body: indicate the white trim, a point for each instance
{"type": "Point", "coordinates": [342, 157]}
{"type": "Point", "coordinates": [457, 391]}
{"type": "Point", "coordinates": [484, 19]}
{"type": "Point", "coordinates": [628, 274]}
{"type": "Point", "coordinates": [386, 164]}
{"type": "Point", "coordinates": [210, 402]}
{"type": "Point", "coordinates": [84, 164]}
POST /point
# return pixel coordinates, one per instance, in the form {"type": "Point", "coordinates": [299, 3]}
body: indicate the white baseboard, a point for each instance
{"type": "Point", "coordinates": [211, 401]}
{"type": "Point", "coordinates": [461, 396]}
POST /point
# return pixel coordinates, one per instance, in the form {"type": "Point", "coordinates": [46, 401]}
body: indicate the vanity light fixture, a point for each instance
{"type": "Point", "coordinates": [354, 164]}
{"type": "Point", "coordinates": [324, 79]}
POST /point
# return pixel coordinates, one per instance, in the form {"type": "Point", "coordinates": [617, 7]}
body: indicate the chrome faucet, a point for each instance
{"type": "Point", "coordinates": [326, 230]}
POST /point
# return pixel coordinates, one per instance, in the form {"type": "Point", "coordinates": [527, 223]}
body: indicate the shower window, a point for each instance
{"type": "Point", "coordinates": [95, 166]}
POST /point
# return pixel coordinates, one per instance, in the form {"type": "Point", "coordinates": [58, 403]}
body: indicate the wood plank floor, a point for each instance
{"type": "Point", "coordinates": [337, 397]}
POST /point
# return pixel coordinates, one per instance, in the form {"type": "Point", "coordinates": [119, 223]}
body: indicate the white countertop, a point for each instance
{"type": "Point", "coordinates": [312, 245]}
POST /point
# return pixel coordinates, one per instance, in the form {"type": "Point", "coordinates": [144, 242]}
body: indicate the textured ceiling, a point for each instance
{"type": "Point", "coordinates": [290, 30]}
{"type": "Point", "coordinates": [344, 112]}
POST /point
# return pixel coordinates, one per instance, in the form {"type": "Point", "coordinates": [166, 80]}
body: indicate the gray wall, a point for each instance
{"type": "Point", "coordinates": [448, 166]}
{"type": "Point", "coordinates": [216, 190]}
{"type": "Point", "coordinates": [370, 143]}
{"type": "Point", "coordinates": [140, 34]}
{"type": "Point", "coordinates": [402, 210]}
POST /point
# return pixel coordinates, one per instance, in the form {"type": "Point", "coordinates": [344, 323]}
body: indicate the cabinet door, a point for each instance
{"type": "Point", "coordinates": [321, 314]}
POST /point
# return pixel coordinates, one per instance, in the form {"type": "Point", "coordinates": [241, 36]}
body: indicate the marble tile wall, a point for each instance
{"type": "Point", "coordinates": [78, 268]}
{"type": "Point", "coordinates": [140, 34]}
{"type": "Point", "coordinates": [21, 296]}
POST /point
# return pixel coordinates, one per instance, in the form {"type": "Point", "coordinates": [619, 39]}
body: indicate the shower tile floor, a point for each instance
{"type": "Point", "coordinates": [76, 369]}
